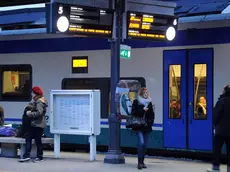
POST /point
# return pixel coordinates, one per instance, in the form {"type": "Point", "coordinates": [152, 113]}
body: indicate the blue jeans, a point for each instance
{"type": "Point", "coordinates": [142, 138]}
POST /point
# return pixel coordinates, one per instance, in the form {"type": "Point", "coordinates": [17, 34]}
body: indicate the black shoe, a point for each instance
{"type": "Point", "coordinates": [143, 165]}
{"type": "Point", "coordinates": [36, 160]}
{"type": "Point", "coordinates": [139, 166]}
{"type": "Point", "coordinates": [24, 160]}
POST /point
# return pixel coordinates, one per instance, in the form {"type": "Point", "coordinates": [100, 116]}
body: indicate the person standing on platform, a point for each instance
{"type": "Point", "coordinates": [38, 123]}
{"type": "Point", "coordinates": [221, 123]}
{"type": "Point", "coordinates": [142, 107]}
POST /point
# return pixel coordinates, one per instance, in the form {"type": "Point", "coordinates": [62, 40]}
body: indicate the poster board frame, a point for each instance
{"type": "Point", "coordinates": [95, 112]}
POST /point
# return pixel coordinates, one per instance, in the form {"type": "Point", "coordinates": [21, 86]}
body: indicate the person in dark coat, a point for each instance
{"type": "Point", "coordinates": [221, 123]}
{"type": "Point", "coordinates": [26, 121]}
{"type": "Point", "coordinates": [142, 107]}
{"type": "Point", "coordinates": [24, 129]}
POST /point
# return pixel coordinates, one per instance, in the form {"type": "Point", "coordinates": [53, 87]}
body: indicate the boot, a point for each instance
{"type": "Point", "coordinates": [139, 165]}
{"type": "Point", "coordinates": [142, 163]}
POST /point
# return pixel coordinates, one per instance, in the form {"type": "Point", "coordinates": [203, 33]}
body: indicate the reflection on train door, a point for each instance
{"type": "Point", "coordinates": [188, 98]}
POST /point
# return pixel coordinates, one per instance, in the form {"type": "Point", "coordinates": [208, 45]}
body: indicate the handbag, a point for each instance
{"type": "Point", "coordinates": [135, 122]}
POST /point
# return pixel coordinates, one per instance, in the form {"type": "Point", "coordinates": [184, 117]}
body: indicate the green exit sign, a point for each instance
{"type": "Point", "coordinates": [125, 52]}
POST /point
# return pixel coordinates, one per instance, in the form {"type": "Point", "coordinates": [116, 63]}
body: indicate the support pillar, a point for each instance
{"type": "Point", "coordinates": [114, 155]}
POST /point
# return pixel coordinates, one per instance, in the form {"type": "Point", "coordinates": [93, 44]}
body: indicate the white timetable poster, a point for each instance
{"type": "Point", "coordinates": [75, 112]}
{"type": "Point", "coordinates": [72, 112]}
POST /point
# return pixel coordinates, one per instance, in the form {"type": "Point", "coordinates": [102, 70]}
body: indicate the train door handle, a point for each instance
{"type": "Point", "coordinates": [192, 110]}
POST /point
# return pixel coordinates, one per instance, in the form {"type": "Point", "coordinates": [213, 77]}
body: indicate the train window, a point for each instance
{"type": "Point", "coordinates": [200, 90]}
{"type": "Point", "coordinates": [16, 82]}
{"type": "Point", "coordinates": [174, 91]}
{"type": "Point", "coordinates": [91, 83]}
{"type": "Point", "coordinates": [97, 83]}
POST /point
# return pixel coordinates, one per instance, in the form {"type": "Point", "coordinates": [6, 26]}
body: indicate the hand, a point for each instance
{"type": "Point", "coordinates": [28, 113]}
{"type": "Point", "coordinates": [146, 109]}
{"type": "Point", "coordinates": [119, 116]}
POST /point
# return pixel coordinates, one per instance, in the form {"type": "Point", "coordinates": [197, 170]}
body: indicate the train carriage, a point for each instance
{"type": "Point", "coordinates": [184, 77]}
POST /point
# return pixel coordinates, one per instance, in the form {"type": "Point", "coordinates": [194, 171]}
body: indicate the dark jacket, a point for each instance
{"type": "Point", "coordinates": [26, 121]}
{"type": "Point", "coordinates": [200, 113]}
{"type": "Point", "coordinates": [221, 115]}
{"type": "Point", "coordinates": [1, 116]}
{"type": "Point", "coordinates": [138, 110]}
{"type": "Point", "coordinates": [23, 129]}
{"type": "Point", "coordinates": [37, 115]}
{"type": "Point", "coordinates": [174, 112]}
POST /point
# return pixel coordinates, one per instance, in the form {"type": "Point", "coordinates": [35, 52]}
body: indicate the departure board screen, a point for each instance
{"type": "Point", "coordinates": [85, 20]}
{"type": "Point", "coordinates": [146, 26]}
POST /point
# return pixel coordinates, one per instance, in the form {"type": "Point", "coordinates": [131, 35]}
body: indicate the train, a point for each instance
{"type": "Point", "coordinates": [184, 77]}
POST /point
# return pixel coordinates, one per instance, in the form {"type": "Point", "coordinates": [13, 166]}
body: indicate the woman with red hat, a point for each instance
{"type": "Point", "coordinates": [38, 123]}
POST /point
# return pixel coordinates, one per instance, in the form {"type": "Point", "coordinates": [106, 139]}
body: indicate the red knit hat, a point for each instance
{"type": "Point", "coordinates": [37, 90]}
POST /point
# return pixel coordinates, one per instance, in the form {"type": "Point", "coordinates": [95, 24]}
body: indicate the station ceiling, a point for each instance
{"type": "Point", "coordinates": [36, 17]}
{"type": "Point", "coordinates": [199, 7]}
{"type": "Point", "coordinates": [184, 7]}
{"type": "Point", "coordinates": [20, 2]}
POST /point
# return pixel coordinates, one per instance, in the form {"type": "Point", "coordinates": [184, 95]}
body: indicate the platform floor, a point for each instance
{"type": "Point", "coordinates": [79, 162]}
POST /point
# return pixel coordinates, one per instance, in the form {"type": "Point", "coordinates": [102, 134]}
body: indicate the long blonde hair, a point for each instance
{"type": "Point", "coordinates": [141, 92]}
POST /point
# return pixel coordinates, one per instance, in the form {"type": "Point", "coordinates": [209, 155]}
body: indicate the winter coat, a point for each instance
{"type": "Point", "coordinates": [221, 115]}
{"type": "Point", "coordinates": [38, 112]}
{"type": "Point", "coordinates": [138, 110]}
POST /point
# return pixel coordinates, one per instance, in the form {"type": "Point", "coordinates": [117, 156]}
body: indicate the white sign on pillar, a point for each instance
{"type": "Point", "coordinates": [75, 112]}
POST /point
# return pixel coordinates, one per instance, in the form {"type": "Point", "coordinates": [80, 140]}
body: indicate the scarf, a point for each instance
{"type": "Point", "coordinates": [143, 101]}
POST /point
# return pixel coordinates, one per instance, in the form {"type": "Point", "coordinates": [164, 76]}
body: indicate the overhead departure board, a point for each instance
{"type": "Point", "coordinates": [146, 26]}
{"type": "Point", "coordinates": [84, 20]}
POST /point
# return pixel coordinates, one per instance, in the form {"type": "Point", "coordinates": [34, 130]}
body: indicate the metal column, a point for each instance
{"type": "Point", "coordinates": [113, 155]}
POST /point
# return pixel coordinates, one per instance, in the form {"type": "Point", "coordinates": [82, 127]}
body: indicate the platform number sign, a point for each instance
{"type": "Point", "coordinates": [60, 10]}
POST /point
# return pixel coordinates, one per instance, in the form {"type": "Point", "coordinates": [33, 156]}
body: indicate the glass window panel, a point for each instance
{"type": "Point", "coordinates": [16, 83]}
{"type": "Point", "coordinates": [128, 92]}
{"type": "Point", "coordinates": [200, 91]}
{"type": "Point", "coordinates": [174, 91]}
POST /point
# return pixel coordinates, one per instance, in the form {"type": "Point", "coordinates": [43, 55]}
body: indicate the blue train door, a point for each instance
{"type": "Point", "coordinates": [174, 96]}
{"type": "Point", "coordinates": [200, 97]}
{"type": "Point", "coordinates": [188, 99]}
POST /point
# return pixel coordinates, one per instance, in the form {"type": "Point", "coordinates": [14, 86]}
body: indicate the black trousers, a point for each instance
{"type": "Point", "coordinates": [34, 133]}
{"type": "Point", "coordinates": [219, 141]}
